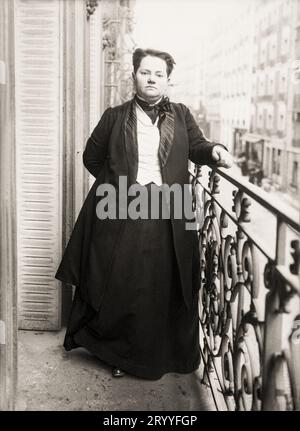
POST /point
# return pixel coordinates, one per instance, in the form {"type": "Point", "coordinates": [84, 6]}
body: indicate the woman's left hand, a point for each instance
{"type": "Point", "coordinates": [222, 157]}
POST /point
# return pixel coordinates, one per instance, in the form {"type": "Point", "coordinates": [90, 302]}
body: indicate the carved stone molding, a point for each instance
{"type": "Point", "coordinates": [91, 7]}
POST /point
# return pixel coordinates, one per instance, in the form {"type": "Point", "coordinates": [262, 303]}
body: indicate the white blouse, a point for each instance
{"type": "Point", "coordinates": [148, 142]}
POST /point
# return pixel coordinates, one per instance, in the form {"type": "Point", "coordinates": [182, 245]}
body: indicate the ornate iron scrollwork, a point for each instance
{"type": "Point", "coordinates": [248, 310]}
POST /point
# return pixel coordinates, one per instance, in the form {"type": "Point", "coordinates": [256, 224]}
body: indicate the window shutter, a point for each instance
{"type": "Point", "coordinates": [39, 161]}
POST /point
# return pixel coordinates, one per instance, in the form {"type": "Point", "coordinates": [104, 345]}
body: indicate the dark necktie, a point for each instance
{"type": "Point", "coordinates": [154, 111]}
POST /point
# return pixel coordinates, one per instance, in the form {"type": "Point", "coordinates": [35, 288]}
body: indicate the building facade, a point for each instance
{"type": "Point", "coordinates": [236, 63]}
{"type": "Point", "coordinates": [273, 121]}
{"type": "Point", "coordinates": [252, 84]}
{"type": "Point", "coordinates": [213, 87]}
{"type": "Point", "coordinates": [293, 158]}
{"type": "Point", "coordinates": [189, 81]}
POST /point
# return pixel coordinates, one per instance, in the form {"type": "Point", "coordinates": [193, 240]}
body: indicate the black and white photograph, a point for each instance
{"type": "Point", "coordinates": [149, 208]}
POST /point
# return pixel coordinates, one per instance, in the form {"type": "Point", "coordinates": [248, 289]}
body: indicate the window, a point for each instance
{"type": "Point", "coordinates": [265, 119]}
{"type": "Point", "coordinates": [270, 87]}
{"type": "Point", "coordinates": [281, 117]}
{"type": "Point", "coordinates": [262, 58]}
{"type": "Point", "coordinates": [268, 162]}
{"type": "Point", "coordinates": [278, 162]}
{"type": "Point", "coordinates": [268, 50]}
{"type": "Point", "coordinates": [282, 84]}
{"type": "Point", "coordinates": [285, 38]}
{"type": "Point", "coordinates": [270, 121]}
{"type": "Point", "coordinates": [275, 15]}
{"type": "Point", "coordinates": [276, 159]}
{"type": "Point", "coordinates": [273, 161]}
{"type": "Point", "coordinates": [281, 122]}
{"type": "Point", "coordinates": [266, 84]}
{"type": "Point", "coordinates": [294, 182]}
{"type": "Point", "coordinates": [261, 88]}
{"type": "Point", "coordinates": [273, 47]}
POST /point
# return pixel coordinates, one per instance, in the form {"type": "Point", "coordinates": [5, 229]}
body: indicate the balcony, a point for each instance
{"type": "Point", "coordinates": [77, 381]}
{"type": "Point", "coordinates": [268, 132]}
{"type": "Point", "coordinates": [265, 98]}
{"type": "Point", "coordinates": [249, 305]}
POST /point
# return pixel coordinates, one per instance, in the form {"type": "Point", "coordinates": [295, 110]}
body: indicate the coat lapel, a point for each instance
{"type": "Point", "coordinates": [131, 145]}
{"type": "Point", "coordinates": [166, 136]}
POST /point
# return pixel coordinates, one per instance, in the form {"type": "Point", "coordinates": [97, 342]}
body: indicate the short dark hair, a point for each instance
{"type": "Point", "coordinates": [139, 54]}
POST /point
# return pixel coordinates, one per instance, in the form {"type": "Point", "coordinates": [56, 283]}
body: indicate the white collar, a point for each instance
{"type": "Point", "coordinates": [143, 117]}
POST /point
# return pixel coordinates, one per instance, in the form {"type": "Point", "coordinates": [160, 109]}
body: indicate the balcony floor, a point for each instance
{"type": "Point", "coordinates": [52, 379]}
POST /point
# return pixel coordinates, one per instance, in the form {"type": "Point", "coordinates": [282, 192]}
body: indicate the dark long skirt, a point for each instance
{"type": "Point", "coordinates": [143, 325]}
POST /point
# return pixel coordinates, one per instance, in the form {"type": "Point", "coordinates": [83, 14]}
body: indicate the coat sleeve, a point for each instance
{"type": "Point", "coordinates": [95, 151]}
{"type": "Point", "coordinates": [200, 149]}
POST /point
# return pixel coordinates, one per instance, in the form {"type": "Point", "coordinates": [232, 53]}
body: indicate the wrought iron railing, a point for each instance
{"type": "Point", "coordinates": [249, 301]}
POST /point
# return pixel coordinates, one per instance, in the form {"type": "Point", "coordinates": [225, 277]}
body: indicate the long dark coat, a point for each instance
{"type": "Point", "coordinates": [109, 154]}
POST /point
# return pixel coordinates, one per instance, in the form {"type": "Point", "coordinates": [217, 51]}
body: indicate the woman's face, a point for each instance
{"type": "Point", "coordinates": [151, 78]}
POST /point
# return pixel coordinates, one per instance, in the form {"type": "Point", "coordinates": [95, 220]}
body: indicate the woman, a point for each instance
{"type": "Point", "coordinates": [137, 280]}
